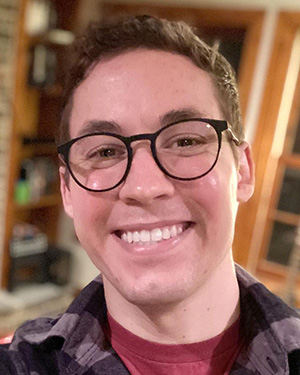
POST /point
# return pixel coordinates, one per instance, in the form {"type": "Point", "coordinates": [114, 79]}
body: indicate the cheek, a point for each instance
{"type": "Point", "coordinates": [90, 213]}
{"type": "Point", "coordinates": [206, 192]}
{"type": "Point", "coordinates": [215, 196]}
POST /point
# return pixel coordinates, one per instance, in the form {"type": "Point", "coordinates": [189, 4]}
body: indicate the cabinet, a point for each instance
{"type": "Point", "coordinates": [46, 32]}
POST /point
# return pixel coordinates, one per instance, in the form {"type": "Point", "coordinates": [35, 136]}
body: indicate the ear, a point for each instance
{"type": "Point", "coordinates": [245, 173]}
{"type": "Point", "coordinates": [65, 191]}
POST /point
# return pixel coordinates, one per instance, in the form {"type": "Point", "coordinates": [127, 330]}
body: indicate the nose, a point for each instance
{"type": "Point", "coordinates": [145, 181]}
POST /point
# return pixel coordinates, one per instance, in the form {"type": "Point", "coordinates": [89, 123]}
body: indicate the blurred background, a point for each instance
{"type": "Point", "coordinates": [42, 266]}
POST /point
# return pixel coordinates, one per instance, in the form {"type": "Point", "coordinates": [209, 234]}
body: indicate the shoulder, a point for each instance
{"type": "Point", "coordinates": [18, 356]}
{"type": "Point", "coordinates": [47, 344]}
{"type": "Point", "coordinates": [11, 362]}
{"type": "Point", "coordinates": [268, 312]}
{"type": "Point", "coordinates": [33, 332]}
{"type": "Point", "coordinates": [270, 326]}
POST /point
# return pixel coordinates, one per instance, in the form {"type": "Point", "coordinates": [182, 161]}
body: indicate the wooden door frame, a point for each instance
{"type": "Point", "coordinates": [253, 215]}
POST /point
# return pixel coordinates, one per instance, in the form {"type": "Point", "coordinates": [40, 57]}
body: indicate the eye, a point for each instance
{"type": "Point", "coordinates": [184, 141]}
{"type": "Point", "coordinates": [187, 142]}
{"type": "Point", "coordinates": [107, 152]}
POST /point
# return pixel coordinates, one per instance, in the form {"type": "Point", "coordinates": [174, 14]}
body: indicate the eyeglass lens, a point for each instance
{"type": "Point", "coordinates": [185, 150]}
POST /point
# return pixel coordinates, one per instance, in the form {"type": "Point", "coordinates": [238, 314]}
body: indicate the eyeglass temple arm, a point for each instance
{"type": "Point", "coordinates": [234, 137]}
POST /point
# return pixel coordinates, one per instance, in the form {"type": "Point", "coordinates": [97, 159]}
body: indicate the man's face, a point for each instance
{"type": "Point", "coordinates": [134, 91]}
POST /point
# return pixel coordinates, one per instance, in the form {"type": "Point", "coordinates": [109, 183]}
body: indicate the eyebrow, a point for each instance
{"type": "Point", "coordinates": [181, 114]}
{"type": "Point", "coordinates": [98, 126]}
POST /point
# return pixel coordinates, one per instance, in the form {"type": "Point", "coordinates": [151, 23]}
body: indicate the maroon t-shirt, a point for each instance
{"type": "Point", "coordinates": [211, 357]}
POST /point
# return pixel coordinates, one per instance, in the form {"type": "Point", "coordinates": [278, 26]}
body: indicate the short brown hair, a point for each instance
{"type": "Point", "coordinates": [132, 32]}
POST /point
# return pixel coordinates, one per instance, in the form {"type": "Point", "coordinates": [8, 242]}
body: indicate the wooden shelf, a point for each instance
{"type": "Point", "coordinates": [36, 147]}
{"type": "Point", "coordinates": [45, 201]}
{"type": "Point", "coordinates": [37, 110]}
{"type": "Point", "coordinates": [292, 161]}
{"type": "Point", "coordinates": [54, 38]}
{"type": "Point", "coordinates": [53, 91]}
{"type": "Point", "coordinates": [285, 217]}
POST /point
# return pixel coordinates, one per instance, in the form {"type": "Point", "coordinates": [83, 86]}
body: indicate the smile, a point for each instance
{"type": "Point", "coordinates": [152, 236]}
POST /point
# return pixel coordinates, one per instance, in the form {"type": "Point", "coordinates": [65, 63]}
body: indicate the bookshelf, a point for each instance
{"type": "Point", "coordinates": [46, 32]}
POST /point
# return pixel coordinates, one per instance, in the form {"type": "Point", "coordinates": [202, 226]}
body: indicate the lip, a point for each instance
{"type": "Point", "coordinates": [154, 249]}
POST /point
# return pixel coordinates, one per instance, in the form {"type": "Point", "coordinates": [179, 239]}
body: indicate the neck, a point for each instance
{"type": "Point", "coordinates": [206, 313]}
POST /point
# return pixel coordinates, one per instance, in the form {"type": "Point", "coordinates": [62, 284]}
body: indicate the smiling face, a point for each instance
{"type": "Point", "coordinates": [183, 229]}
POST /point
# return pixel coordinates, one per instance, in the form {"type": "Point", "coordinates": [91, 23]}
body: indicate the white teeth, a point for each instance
{"type": "Point", "coordinates": [155, 235]}
{"type": "Point", "coordinates": [129, 237]}
{"type": "Point", "coordinates": [173, 231]}
{"type": "Point", "coordinates": [145, 236]}
{"type": "Point", "coordinates": [136, 237]}
{"type": "Point", "coordinates": [166, 234]}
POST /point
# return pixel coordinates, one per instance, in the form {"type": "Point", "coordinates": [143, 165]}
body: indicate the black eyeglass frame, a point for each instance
{"type": "Point", "coordinates": [218, 125]}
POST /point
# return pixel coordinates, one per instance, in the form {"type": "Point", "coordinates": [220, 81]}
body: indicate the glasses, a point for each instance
{"type": "Point", "coordinates": [184, 150]}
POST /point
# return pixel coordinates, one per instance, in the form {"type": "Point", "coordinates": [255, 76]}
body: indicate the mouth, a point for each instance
{"type": "Point", "coordinates": [153, 236]}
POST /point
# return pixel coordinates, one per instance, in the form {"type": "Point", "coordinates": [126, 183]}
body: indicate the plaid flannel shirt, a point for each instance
{"type": "Point", "coordinates": [74, 343]}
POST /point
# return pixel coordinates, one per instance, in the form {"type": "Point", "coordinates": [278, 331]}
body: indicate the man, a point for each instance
{"type": "Point", "coordinates": [153, 167]}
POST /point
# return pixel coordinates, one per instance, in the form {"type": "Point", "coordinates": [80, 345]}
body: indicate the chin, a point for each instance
{"type": "Point", "coordinates": [155, 297]}
{"type": "Point", "coordinates": [158, 291]}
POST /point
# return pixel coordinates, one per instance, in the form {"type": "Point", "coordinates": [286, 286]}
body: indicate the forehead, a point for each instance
{"type": "Point", "coordinates": [138, 88]}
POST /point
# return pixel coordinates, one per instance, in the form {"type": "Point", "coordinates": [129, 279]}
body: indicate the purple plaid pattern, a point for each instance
{"type": "Point", "coordinates": [74, 343]}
